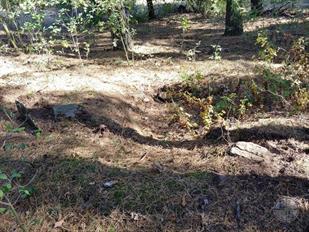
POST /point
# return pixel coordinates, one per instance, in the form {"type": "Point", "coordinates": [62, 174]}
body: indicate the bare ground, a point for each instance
{"type": "Point", "coordinates": [166, 179]}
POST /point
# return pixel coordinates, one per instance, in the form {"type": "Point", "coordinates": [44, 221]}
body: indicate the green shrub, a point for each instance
{"type": "Point", "coordinates": [11, 192]}
{"type": "Point", "coordinates": [286, 89]}
{"type": "Point", "coordinates": [267, 50]}
{"type": "Point", "coordinates": [74, 23]}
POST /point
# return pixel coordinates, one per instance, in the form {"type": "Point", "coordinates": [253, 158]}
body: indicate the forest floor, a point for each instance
{"type": "Point", "coordinates": [161, 177]}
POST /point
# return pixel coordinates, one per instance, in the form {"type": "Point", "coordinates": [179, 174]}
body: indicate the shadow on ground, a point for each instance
{"type": "Point", "coordinates": [166, 34]}
{"type": "Point", "coordinates": [155, 200]}
{"type": "Point", "coordinates": [144, 198]}
{"type": "Point", "coordinates": [105, 114]}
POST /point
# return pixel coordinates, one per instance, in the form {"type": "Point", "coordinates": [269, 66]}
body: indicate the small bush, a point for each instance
{"type": "Point", "coordinates": [216, 52]}
{"type": "Point", "coordinates": [205, 104]}
{"type": "Point", "coordinates": [267, 50]}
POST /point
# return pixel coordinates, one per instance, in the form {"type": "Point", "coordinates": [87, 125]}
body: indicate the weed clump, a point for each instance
{"type": "Point", "coordinates": [198, 103]}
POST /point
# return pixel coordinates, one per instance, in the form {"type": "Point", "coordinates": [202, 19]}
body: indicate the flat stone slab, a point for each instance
{"type": "Point", "coordinates": [252, 151]}
{"type": "Point", "coordinates": [67, 111]}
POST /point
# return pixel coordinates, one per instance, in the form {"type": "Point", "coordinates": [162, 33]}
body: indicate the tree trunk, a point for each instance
{"type": "Point", "coordinates": [257, 6]}
{"type": "Point", "coordinates": [151, 13]}
{"type": "Point", "coordinates": [233, 19]}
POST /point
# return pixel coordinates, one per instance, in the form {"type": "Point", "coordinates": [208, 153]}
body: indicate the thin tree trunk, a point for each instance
{"type": "Point", "coordinates": [233, 19]}
{"type": "Point", "coordinates": [151, 12]}
{"type": "Point", "coordinates": [123, 38]}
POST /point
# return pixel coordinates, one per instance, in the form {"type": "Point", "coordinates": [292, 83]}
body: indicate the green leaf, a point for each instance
{"type": "Point", "coordinates": [38, 133]}
{"type": "Point", "coordinates": [26, 192]}
{"type": "Point", "coordinates": [1, 194]}
{"type": "Point", "coordinates": [8, 146]}
{"type": "Point", "coordinates": [3, 176]}
{"type": "Point", "coordinates": [9, 128]}
{"type": "Point", "coordinates": [15, 174]}
{"type": "Point", "coordinates": [6, 188]}
{"type": "Point", "coordinates": [22, 146]}
{"type": "Point", "coordinates": [2, 210]}
{"type": "Point", "coordinates": [19, 129]}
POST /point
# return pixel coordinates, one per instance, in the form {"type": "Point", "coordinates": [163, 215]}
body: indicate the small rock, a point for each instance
{"type": "Point", "coordinates": [59, 224]}
{"type": "Point", "coordinates": [135, 216]}
{"type": "Point", "coordinates": [146, 100]}
{"type": "Point", "coordinates": [110, 184]}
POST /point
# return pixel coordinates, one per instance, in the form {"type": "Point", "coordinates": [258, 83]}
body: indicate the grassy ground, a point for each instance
{"type": "Point", "coordinates": [164, 177]}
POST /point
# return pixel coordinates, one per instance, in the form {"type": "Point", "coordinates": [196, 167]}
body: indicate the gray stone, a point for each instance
{"type": "Point", "coordinates": [287, 209]}
{"type": "Point", "coordinates": [67, 111]}
{"type": "Point", "coordinates": [252, 151]}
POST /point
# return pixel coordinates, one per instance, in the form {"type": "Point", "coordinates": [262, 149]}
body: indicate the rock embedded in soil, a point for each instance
{"type": "Point", "coordinates": [67, 111]}
{"type": "Point", "coordinates": [252, 151]}
{"type": "Point", "coordinates": [287, 208]}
